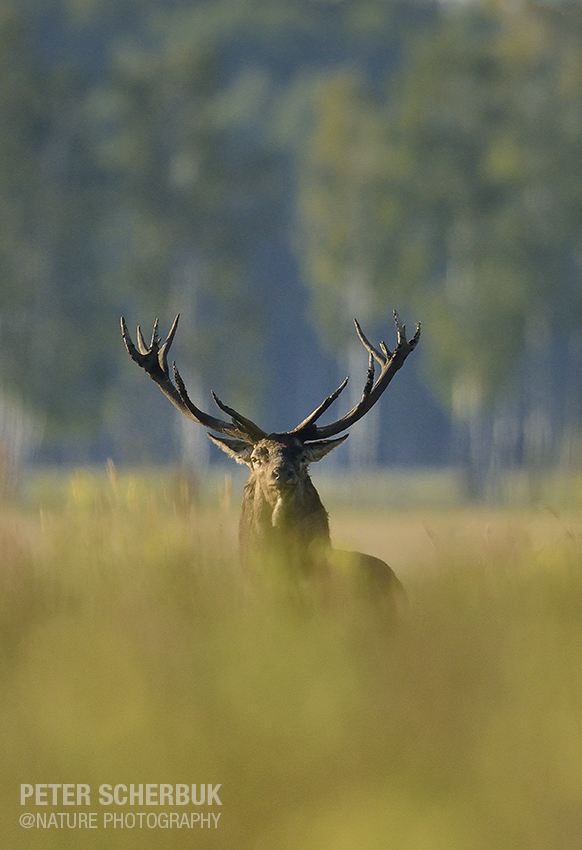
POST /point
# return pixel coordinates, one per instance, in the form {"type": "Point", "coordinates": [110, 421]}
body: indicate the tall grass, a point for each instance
{"type": "Point", "coordinates": [134, 652]}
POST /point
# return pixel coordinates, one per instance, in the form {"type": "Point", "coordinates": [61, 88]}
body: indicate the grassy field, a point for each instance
{"type": "Point", "coordinates": [132, 652]}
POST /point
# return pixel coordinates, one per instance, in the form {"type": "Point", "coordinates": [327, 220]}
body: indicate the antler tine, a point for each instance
{"type": "Point", "coordinates": [155, 335]}
{"type": "Point", "coordinates": [369, 377]}
{"type": "Point", "coordinates": [401, 329]}
{"type": "Point", "coordinates": [143, 348]}
{"type": "Point", "coordinates": [385, 350]}
{"type": "Point", "coordinates": [390, 363]}
{"type": "Point", "coordinates": [368, 345]}
{"type": "Point", "coordinates": [131, 349]}
{"type": "Point", "coordinates": [247, 424]}
{"type": "Point", "coordinates": [313, 417]}
{"type": "Point", "coordinates": [163, 355]}
{"type": "Point", "coordinates": [230, 429]}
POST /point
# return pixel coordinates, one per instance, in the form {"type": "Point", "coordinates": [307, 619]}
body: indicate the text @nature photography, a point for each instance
{"type": "Point", "coordinates": [182, 798]}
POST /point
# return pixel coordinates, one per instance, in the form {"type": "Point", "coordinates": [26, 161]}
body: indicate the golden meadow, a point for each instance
{"type": "Point", "coordinates": [134, 652]}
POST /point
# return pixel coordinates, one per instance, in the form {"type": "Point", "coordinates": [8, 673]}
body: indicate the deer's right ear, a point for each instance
{"type": "Point", "coordinates": [238, 449]}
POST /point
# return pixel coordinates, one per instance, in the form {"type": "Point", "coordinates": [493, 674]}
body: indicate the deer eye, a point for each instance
{"type": "Point", "coordinates": [259, 456]}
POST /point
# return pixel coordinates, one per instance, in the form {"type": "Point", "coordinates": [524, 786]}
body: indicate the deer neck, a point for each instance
{"type": "Point", "coordinates": [288, 519]}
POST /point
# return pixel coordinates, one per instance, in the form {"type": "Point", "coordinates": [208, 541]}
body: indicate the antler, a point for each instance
{"type": "Point", "coordinates": [153, 359]}
{"type": "Point", "coordinates": [390, 362]}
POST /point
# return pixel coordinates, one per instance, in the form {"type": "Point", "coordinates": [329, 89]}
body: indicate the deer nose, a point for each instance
{"type": "Point", "coordinates": [283, 475]}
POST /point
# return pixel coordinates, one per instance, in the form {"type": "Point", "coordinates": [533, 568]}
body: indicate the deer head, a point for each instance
{"type": "Point", "coordinates": [279, 493]}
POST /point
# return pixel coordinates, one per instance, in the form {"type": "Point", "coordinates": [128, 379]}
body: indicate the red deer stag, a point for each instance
{"type": "Point", "coordinates": [282, 519]}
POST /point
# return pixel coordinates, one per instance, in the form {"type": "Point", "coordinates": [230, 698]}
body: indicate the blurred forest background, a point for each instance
{"type": "Point", "coordinates": [270, 169]}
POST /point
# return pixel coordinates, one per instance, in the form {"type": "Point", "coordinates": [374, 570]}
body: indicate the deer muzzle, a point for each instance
{"type": "Point", "coordinates": [283, 476]}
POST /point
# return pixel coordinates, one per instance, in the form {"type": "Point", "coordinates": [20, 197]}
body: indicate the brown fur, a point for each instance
{"type": "Point", "coordinates": [284, 525]}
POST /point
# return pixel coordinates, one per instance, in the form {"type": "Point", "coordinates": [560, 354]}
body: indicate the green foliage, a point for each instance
{"type": "Point", "coordinates": [343, 215]}
{"type": "Point", "coordinates": [139, 173]}
{"type": "Point", "coordinates": [122, 190]}
{"type": "Point", "coordinates": [153, 173]}
{"type": "Point", "coordinates": [457, 193]}
{"type": "Point", "coordinates": [489, 195]}
{"type": "Point", "coordinates": [48, 291]}
{"type": "Point", "coordinates": [132, 651]}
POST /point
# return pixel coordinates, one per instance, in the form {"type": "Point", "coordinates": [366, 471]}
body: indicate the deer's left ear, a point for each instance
{"type": "Point", "coordinates": [237, 449]}
{"type": "Point", "coordinates": [320, 448]}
